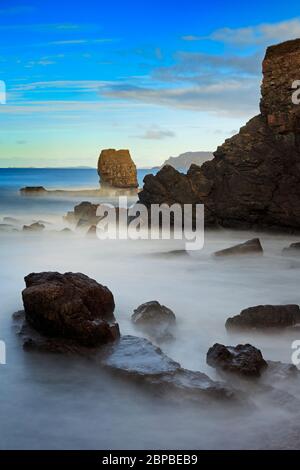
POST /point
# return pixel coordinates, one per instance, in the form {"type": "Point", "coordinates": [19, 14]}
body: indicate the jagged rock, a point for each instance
{"type": "Point", "coordinates": [254, 178]}
{"type": "Point", "coordinates": [248, 248]}
{"type": "Point", "coordinates": [35, 227]}
{"type": "Point", "coordinates": [265, 316]}
{"type": "Point", "coordinates": [140, 359]}
{"type": "Point", "coordinates": [292, 250]}
{"type": "Point", "coordinates": [154, 319]}
{"type": "Point", "coordinates": [243, 359]}
{"type": "Point", "coordinates": [70, 306]}
{"type": "Point", "coordinates": [116, 169]}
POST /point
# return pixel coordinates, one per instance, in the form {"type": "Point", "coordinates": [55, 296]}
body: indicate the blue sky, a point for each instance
{"type": "Point", "coordinates": [159, 78]}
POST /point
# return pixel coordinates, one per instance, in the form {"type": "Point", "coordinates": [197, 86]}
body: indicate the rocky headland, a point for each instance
{"type": "Point", "coordinates": [254, 179]}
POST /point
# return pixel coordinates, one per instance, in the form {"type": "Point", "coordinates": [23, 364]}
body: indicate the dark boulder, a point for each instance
{"type": "Point", "coordinates": [265, 316]}
{"type": "Point", "coordinates": [70, 306]}
{"type": "Point", "coordinates": [154, 319]}
{"type": "Point", "coordinates": [243, 359]}
{"type": "Point", "coordinates": [251, 247]}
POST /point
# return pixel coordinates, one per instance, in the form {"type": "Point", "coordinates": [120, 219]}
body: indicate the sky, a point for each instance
{"type": "Point", "coordinates": [157, 77]}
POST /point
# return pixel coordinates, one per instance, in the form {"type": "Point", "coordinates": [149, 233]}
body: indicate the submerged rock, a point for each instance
{"type": "Point", "coordinates": [116, 169]}
{"type": "Point", "coordinates": [243, 359]}
{"type": "Point", "coordinates": [11, 220]}
{"type": "Point", "coordinates": [248, 248]}
{"type": "Point", "coordinates": [280, 372]}
{"type": "Point", "coordinates": [265, 316]}
{"type": "Point", "coordinates": [35, 227]}
{"type": "Point", "coordinates": [70, 306]}
{"type": "Point", "coordinates": [154, 319]}
{"type": "Point", "coordinates": [254, 178]}
{"type": "Point", "coordinates": [292, 250]}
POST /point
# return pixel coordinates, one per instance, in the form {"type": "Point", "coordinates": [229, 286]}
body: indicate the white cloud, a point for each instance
{"type": "Point", "coordinates": [262, 34]}
{"type": "Point", "coordinates": [156, 133]}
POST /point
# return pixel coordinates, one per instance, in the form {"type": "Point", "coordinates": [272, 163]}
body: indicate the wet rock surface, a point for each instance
{"type": "Point", "coordinates": [250, 247]}
{"type": "Point", "coordinates": [70, 306]}
{"type": "Point", "coordinates": [243, 359]}
{"type": "Point", "coordinates": [141, 360]}
{"type": "Point", "coordinates": [154, 319]}
{"type": "Point", "coordinates": [265, 316]}
{"type": "Point", "coordinates": [254, 179]}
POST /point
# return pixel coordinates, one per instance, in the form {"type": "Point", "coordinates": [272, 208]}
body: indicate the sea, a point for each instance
{"type": "Point", "coordinates": [57, 402]}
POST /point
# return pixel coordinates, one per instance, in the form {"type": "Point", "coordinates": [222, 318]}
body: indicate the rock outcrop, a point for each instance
{"type": "Point", "coordinates": [154, 319]}
{"type": "Point", "coordinates": [243, 359]}
{"type": "Point", "coordinates": [251, 247]}
{"type": "Point", "coordinates": [33, 190]}
{"type": "Point", "coordinates": [70, 306]}
{"type": "Point", "coordinates": [265, 316]}
{"type": "Point", "coordinates": [254, 178]}
{"type": "Point", "coordinates": [140, 360]}
{"type": "Point", "coordinates": [117, 169]}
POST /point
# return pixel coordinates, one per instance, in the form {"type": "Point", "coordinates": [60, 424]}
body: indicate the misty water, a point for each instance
{"type": "Point", "coordinates": [56, 402]}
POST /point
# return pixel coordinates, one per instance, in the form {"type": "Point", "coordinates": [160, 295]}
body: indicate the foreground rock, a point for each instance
{"type": "Point", "coordinates": [243, 359]}
{"type": "Point", "coordinates": [154, 319]}
{"type": "Point", "coordinates": [35, 227]}
{"type": "Point", "coordinates": [248, 248]}
{"type": "Point", "coordinates": [139, 359]}
{"type": "Point", "coordinates": [254, 178]}
{"type": "Point", "coordinates": [70, 306]}
{"type": "Point", "coordinates": [85, 214]}
{"type": "Point", "coordinates": [265, 316]}
{"type": "Point", "coordinates": [116, 169]}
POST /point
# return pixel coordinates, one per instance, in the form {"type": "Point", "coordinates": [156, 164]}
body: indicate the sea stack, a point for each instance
{"type": "Point", "coordinates": [117, 169]}
{"type": "Point", "coordinates": [254, 179]}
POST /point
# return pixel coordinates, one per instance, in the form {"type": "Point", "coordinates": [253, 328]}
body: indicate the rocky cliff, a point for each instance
{"type": "Point", "coordinates": [254, 178]}
{"type": "Point", "coordinates": [116, 169]}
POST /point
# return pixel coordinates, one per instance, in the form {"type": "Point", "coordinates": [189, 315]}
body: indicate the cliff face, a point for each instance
{"type": "Point", "coordinates": [116, 169]}
{"type": "Point", "coordinates": [254, 178]}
